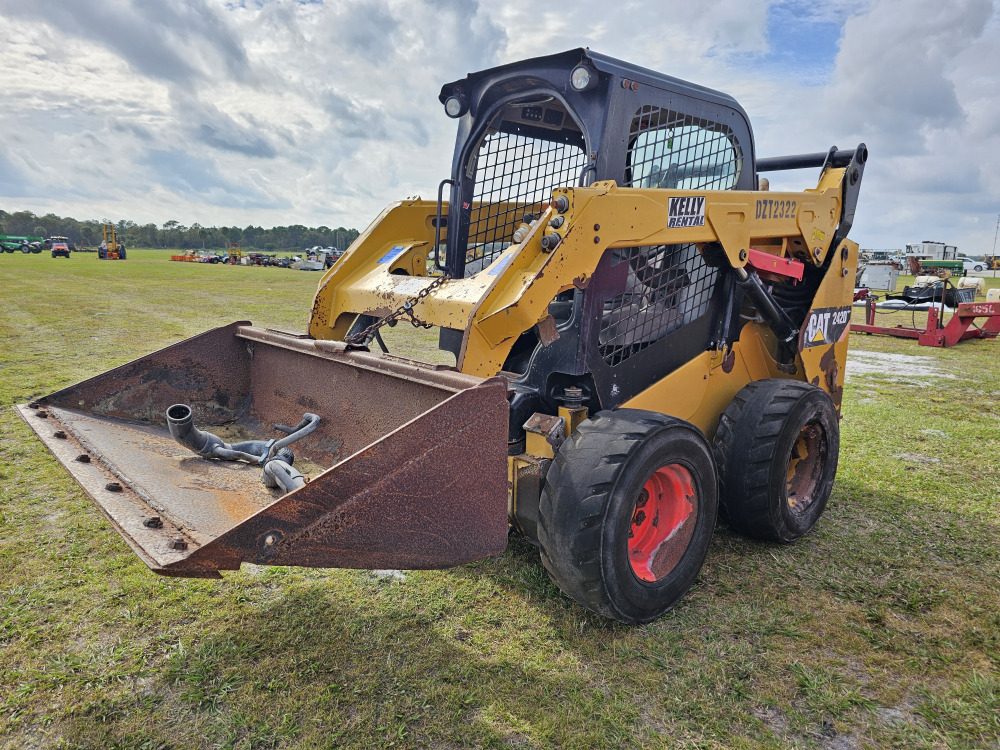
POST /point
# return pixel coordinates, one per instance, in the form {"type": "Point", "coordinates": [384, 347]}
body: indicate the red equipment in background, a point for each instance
{"type": "Point", "coordinates": [960, 327]}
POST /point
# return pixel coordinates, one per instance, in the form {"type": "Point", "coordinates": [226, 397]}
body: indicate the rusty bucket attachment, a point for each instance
{"type": "Point", "coordinates": [406, 464]}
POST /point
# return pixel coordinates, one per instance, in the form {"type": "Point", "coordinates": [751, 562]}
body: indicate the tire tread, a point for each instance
{"type": "Point", "coordinates": [573, 504]}
{"type": "Point", "coordinates": [745, 444]}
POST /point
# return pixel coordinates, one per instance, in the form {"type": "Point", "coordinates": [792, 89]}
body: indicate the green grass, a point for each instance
{"type": "Point", "coordinates": [879, 629]}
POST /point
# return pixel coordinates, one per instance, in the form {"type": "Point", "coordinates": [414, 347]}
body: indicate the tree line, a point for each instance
{"type": "Point", "coordinates": [176, 236]}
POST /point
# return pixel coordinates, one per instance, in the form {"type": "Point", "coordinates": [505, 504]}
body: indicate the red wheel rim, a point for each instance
{"type": "Point", "coordinates": [662, 523]}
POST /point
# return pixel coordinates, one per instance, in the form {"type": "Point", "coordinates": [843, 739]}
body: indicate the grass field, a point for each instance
{"type": "Point", "coordinates": [879, 629]}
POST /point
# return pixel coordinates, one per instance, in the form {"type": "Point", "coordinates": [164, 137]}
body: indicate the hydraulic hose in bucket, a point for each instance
{"type": "Point", "coordinates": [272, 455]}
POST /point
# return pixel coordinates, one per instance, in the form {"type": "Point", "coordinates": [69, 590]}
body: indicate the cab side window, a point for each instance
{"type": "Point", "coordinates": [671, 150]}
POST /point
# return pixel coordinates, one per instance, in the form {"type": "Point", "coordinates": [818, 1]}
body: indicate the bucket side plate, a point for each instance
{"type": "Point", "coordinates": [431, 494]}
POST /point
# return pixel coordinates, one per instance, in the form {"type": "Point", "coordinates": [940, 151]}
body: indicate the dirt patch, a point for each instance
{"type": "Point", "coordinates": [772, 718]}
{"type": "Point", "coordinates": [899, 368]}
{"type": "Point", "coordinates": [894, 716]}
{"type": "Point", "coordinates": [919, 458]}
{"type": "Point", "coordinates": [841, 742]}
{"type": "Point", "coordinates": [389, 575]}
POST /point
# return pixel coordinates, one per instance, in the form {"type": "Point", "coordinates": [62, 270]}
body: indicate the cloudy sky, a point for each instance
{"type": "Point", "coordinates": [273, 112]}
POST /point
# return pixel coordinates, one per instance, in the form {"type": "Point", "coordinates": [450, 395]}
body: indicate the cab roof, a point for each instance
{"type": "Point", "coordinates": [602, 63]}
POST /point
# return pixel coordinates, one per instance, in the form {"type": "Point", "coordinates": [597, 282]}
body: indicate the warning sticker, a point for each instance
{"type": "Point", "coordinates": [686, 212]}
{"type": "Point", "coordinates": [826, 325]}
{"type": "Point", "coordinates": [500, 263]}
{"type": "Point", "coordinates": [390, 256]}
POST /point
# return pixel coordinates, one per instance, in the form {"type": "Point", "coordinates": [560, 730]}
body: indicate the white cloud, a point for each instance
{"type": "Point", "coordinates": [910, 81]}
{"type": "Point", "coordinates": [276, 112]}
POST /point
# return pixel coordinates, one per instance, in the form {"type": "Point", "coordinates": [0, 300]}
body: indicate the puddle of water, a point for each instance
{"type": "Point", "coordinates": [897, 367]}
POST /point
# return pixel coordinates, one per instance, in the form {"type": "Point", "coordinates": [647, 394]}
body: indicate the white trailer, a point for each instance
{"type": "Point", "coordinates": [931, 250]}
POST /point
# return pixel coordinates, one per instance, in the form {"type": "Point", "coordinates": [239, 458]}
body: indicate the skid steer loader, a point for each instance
{"type": "Point", "coordinates": [642, 338]}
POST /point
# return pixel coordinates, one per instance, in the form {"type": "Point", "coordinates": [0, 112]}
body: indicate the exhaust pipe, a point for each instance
{"type": "Point", "coordinates": [273, 455]}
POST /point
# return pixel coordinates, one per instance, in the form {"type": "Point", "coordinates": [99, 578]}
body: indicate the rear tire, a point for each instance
{"type": "Point", "coordinates": [777, 448]}
{"type": "Point", "coordinates": [627, 513]}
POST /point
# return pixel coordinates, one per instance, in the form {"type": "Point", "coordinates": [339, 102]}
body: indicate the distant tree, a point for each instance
{"type": "Point", "coordinates": [172, 234]}
{"type": "Point", "coordinates": [147, 235]}
{"type": "Point", "coordinates": [20, 222]}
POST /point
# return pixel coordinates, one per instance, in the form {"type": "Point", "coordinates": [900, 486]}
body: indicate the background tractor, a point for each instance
{"type": "Point", "coordinates": [26, 244]}
{"type": "Point", "coordinates": [110, 248]}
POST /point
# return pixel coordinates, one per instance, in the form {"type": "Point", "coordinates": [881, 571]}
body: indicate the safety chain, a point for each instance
{"type": "Point", "coordinates": [405, 310]}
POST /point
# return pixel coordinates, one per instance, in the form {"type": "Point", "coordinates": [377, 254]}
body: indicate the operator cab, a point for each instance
{"type": "Point", "coordinates": [572, 119]}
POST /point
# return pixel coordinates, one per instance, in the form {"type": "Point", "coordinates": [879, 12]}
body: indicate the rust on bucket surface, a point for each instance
{"type": "Point", "coordinates": [407, 467]}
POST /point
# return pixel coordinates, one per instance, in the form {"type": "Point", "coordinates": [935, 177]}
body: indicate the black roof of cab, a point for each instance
{"type": "Point", "coordinates": [606, 117]}
{"type": "Point", "coordinates": [468, 86]}
{"type": "Point", "coordinates": [605, 111]}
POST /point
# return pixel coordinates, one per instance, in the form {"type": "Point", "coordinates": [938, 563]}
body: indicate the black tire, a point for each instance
{"type": "Point", "coordinates": [592, 514]}
{"type": "Point", "coordinates": [25, 249]}
{"type": "Point", "coordinates": [777, 448]}
{"type": "Point", "coordinates": [978, 267]}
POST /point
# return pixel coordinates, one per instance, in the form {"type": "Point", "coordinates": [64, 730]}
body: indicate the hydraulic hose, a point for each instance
{"type": "Point", "coordinates": [780, 323]}
{"type": "Point", "coordinates": [272, 455]}
{"type": "Point", "coordinates": [309, 423]}
{"type": "Point", "coordinates": [180, 422]}
{"type": "Point", "coordinates": [277, 473]}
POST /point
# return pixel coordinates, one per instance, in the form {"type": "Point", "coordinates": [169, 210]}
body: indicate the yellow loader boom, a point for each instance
{"type": "Point", "coordinates": [640, 335]}
{"type": "Point", "coordinates": [512, 295]}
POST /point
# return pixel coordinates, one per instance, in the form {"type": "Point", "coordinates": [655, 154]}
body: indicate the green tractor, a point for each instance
{"type": "Point", "coordinates": [24, 243]}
